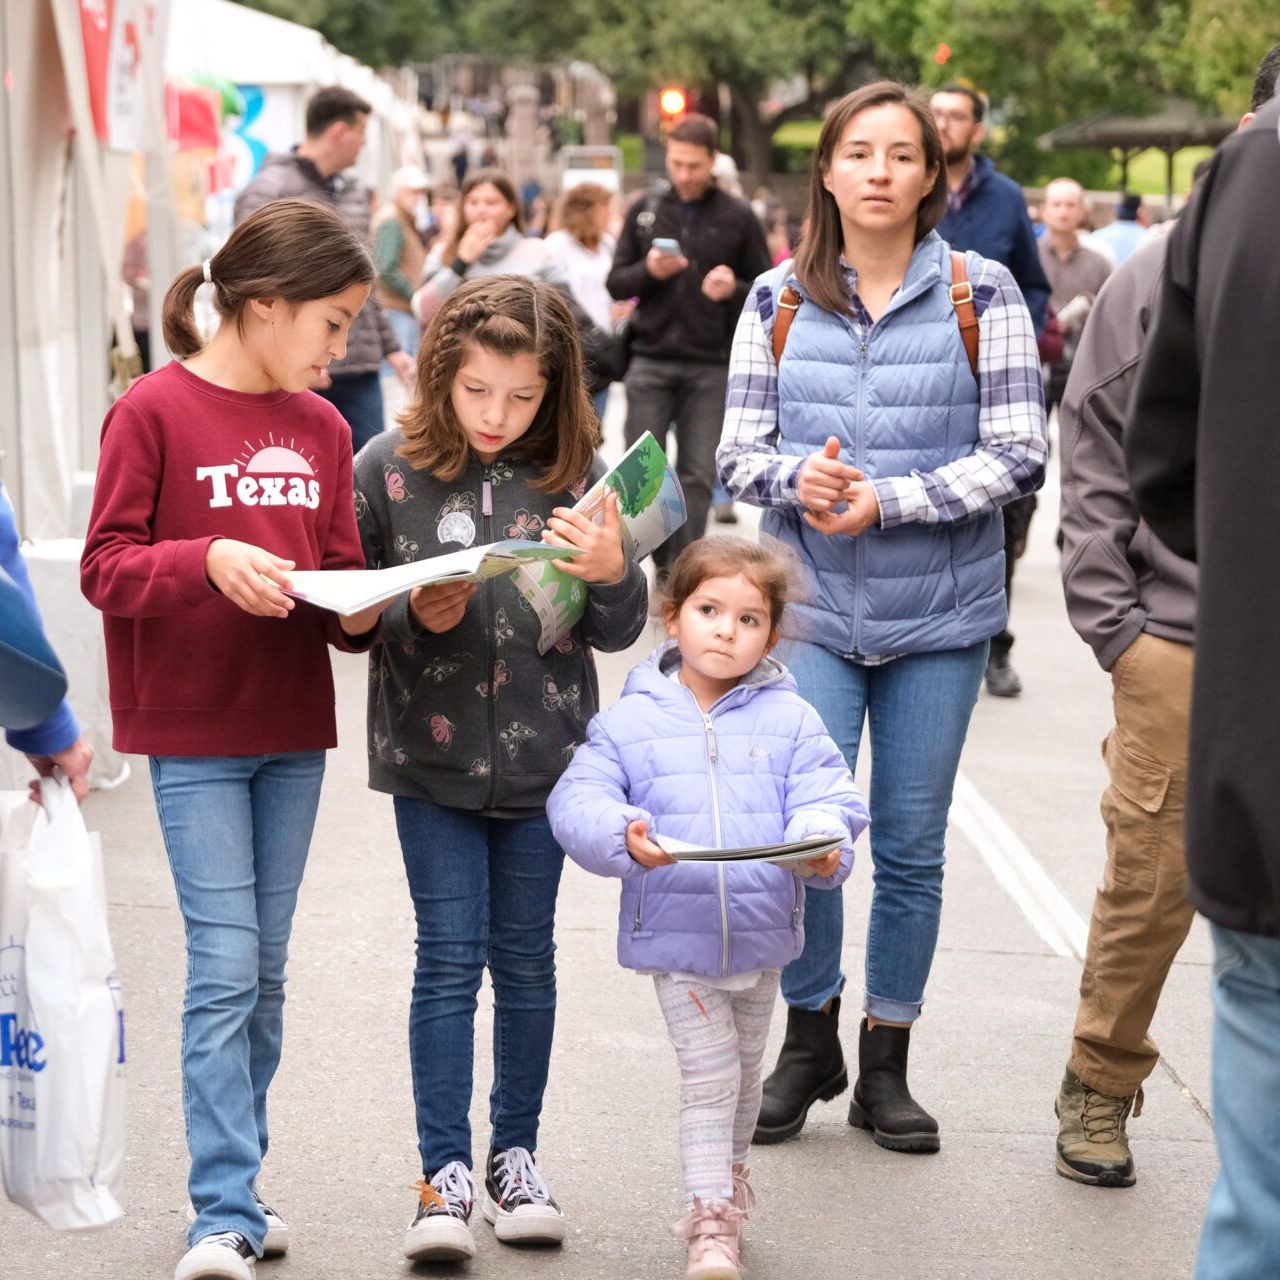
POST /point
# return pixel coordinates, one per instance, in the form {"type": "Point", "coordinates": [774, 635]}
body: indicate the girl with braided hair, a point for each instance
{"type": "Point", "coordinates": [470, 726]}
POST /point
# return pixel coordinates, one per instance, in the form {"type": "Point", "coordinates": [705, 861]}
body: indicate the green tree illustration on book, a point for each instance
{"type": "Point", "coordinates": [558, 598]}
{"type": "Point", "coordinates": [637, 479]}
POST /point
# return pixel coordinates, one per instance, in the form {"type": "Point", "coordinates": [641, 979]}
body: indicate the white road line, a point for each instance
{"type": "Point", "coordinates": [1016, 870]}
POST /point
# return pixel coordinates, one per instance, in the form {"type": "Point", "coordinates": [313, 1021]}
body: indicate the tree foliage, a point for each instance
{"type": "Point", "coordinates": [1042, 62]}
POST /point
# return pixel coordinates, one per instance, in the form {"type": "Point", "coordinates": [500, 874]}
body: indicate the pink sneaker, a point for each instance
{"type": "Point", "coordinates": [712, 1233]}
{"type": "Point", "coordinates": [744, 1196]}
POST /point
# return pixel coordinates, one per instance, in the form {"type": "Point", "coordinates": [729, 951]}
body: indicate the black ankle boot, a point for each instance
{"type": "Point", "coordinates": [810, 1069]}
{"type": "Point", "coordinates": [881, 1100]}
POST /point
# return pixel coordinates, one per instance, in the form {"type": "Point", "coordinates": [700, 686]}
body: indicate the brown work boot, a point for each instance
{"type": "Point", "coordinates": [1092, 1144]}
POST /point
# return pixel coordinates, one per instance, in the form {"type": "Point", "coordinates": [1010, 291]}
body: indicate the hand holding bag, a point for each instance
{"type": "Point", "coordinates": [62, 1048]}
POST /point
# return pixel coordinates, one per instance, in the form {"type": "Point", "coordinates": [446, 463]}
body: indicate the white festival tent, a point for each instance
{"type": "Point", "coordinates": [64, 194]}
{"type": "Point", "coordinates": [81, 92]}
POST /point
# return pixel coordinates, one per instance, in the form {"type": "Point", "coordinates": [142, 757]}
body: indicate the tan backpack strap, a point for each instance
{"type": "Point", "coordinates": [966, 314]}
{"type": "Point", "coordinates": [788, 304]}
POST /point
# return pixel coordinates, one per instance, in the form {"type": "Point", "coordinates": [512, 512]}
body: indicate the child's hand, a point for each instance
{"type": "Point", "coordinates": [249, 577]}
{"type": "Point", "coordinates": [440, 608]}
{"type": "Point", "coordinates": [827, 865]}
{"type": "Point", "coordinates": [603, 559]}
{"type": "Point", "coordinates": [642, 849]}
{"type": "Point", "coordinates": [356, 624]}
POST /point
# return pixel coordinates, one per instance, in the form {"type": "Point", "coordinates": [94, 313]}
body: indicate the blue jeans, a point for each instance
{"type": "Point", "coordinates": [917, 708]}
{"type": "Point", "coordinates": [599, 400]}
{"type": "Point", "coordinates": [484, 893]}
{"type": "Point", "coordinates": [408, 333]}
{"type": "Point", "coordinates": [358, 397]}
{"type": "Point", "coordinates": [1241, 1237]}
{"type": "Point", "coordinates": [237, 830]}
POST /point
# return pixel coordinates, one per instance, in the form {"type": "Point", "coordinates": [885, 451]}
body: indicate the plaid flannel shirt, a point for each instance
{"type": "Point", "coordinates": [1008, 462]}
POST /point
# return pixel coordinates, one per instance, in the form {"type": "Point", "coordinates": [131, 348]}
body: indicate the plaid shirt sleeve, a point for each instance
{"type": "Point", "coordinates": [751, 468]}
{"type": "Point", "coordinates": [1009, 460]}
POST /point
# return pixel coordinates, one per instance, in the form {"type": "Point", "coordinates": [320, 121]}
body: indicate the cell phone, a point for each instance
{"type": "Point", "coordinates": [668, 246]}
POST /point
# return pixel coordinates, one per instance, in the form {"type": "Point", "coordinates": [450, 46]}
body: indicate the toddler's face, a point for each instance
{"type": "Point", "coordinates": [723, 629]}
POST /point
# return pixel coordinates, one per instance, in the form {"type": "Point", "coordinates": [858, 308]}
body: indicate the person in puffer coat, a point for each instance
{"type": "Point", "coordinates": [712, 745]}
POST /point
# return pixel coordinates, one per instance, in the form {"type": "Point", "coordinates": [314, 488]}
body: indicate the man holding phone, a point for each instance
{"type": "Point", "coordinates": [688, 253]}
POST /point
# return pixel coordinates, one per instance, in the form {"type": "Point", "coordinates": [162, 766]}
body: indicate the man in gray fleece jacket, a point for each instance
{"type": "Point", "coordinates": [1133, 601]}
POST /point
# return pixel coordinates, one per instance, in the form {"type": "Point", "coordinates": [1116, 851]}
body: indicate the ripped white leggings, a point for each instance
{"type": "Point", "coordinates": [719, 1038]}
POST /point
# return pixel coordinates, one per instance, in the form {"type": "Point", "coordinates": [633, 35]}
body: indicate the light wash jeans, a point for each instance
{"type": "Point", "coordinates": [408, 331]}
{"type": "Point", "coordinates": [237, 830]}
{"type": "Point", "coordinates": [1241, 1237]}
{"type": "Point", "coordinates": [484, 894]}
{"type": "Point", "coordinates": [917, 708]}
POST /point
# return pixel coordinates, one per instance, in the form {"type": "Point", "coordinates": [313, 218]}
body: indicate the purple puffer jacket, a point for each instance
{"type": "Point", "coordinates": [757, 768]}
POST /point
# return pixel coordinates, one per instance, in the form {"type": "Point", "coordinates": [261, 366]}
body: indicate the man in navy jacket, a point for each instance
{"type": "Point", "coordinates": [986, 212]}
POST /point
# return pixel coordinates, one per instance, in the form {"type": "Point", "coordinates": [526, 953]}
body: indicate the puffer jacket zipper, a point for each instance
{"type": "Point", "coordinates": [863, 338]}
{"type": "Point", "coordinates": [490, 664]}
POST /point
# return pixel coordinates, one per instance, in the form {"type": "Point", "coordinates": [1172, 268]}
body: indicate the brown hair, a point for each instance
{"type": "Point", "coordinates": [333, 103]}
{"type": "Point", "coordinates": [769, 565]}
{"type": "Point", "coordinates": [509, 316]}
{"type": "Point", "coordinates": [574, 210]}
{"type": "Point", "coordinates": [818, 257]}
{"type": "Point", "coordinates": [697, 129]}
{"type": "Point", "coordinates": [483, 177]}
{"type": "Point", "coordinates": [295, 250]}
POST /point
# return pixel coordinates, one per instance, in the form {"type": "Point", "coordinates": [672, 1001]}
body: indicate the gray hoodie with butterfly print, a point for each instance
{"type": "Point", "coordinates": [475, 718]}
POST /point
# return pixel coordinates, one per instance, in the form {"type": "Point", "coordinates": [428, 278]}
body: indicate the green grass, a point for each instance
{"type": "Point", "coordinates": [1148, 171]}
{"type": "Point", "coordinates": [632, 151]}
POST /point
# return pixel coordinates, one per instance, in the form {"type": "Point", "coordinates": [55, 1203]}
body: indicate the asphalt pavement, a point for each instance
{"type": "Point", "coordinates": [1025, 852]}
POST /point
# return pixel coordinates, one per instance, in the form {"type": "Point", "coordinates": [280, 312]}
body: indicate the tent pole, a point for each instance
{"type": "Point", "coordinates": [9, 394]}
{"type": "Point", "coordinates": [1168, 188]}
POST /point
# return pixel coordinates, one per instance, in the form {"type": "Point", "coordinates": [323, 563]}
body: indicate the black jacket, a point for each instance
{"type": "Point", "coordinates": [675, 319]}
{"type": "Point", "coordinates": [474, 718]}
{"type": "Point", "coordinates": [1202, 452]}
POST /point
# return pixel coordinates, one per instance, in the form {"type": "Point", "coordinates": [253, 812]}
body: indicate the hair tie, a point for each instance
{"type": "Point", "coordinates": [208, 275]}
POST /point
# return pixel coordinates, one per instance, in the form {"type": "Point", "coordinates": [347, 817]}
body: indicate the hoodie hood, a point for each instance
{"type": "Point", "coordinates": [653, 678]}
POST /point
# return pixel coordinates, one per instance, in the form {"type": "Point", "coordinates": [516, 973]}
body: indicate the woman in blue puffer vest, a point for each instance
{"type": "Point", "coordinates": [882, 456]}
{"type": "Point", "coordinates": [711, 744]}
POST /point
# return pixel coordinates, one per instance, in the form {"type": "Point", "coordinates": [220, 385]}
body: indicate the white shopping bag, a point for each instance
{"type": "Point", "coordinates": [62, 1047]}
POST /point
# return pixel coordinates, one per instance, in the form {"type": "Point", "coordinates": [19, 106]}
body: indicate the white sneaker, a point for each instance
{"type": "Point", "coordinates": [226, 1255]}
{"type": "Point", "coordinates": [276, 1243]}
{"type": "Point", "coordinates": [517, 1202]}
{"type": "Point", "coordinates": [440, 1230]}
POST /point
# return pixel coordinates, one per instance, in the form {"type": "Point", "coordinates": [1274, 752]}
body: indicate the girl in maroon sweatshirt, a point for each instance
{"type": "Point", "coordinates": [218, 475]}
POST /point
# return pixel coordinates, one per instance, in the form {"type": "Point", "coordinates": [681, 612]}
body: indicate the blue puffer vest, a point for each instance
{"type": "Point", "coordinates": [900, 399]}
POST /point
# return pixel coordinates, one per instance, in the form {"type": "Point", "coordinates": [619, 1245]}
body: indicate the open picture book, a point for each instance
{"type": "Point", "coordinates": [650, 502]}
{"type": "Point", "coordinates": [782, 854]}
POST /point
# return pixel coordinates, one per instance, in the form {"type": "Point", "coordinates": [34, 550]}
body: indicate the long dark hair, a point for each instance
{"type": "Point", "coordinates": [295, 250]}
{"type": "Point", "coordinates": [818, 258]}
{"type": "Point", "coordinates": [510, 316]}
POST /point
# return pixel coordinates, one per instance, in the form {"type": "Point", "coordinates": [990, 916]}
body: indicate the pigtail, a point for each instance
{"type": "Point", "coordinates": [180, 334]}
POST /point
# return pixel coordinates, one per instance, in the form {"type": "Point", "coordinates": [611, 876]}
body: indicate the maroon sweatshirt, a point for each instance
{"type": "Point", "coordinates": [184, 462]}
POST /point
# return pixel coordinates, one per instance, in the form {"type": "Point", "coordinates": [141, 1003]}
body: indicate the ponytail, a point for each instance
{"type": "Point", "coordinates": [295, 250]}
{"type": "Point", "coordinates": [180, 334]}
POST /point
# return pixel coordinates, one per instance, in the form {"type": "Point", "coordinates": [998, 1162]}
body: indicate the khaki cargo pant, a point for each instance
{"type": "Point", "coordinates": [1140, 914]}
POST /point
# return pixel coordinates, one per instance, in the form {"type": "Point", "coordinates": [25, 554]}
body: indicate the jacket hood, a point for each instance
{"type": "Point", "coordinates": [652, 678]}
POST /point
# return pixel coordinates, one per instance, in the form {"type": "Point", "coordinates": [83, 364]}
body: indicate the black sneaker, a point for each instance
{"type": "Point", "coordinates": [517, 1202]}
{"type": "Point", "coordinates": [440, 1230]}
{"type": "Point", "coordinates": [1002, 679]}
{"type": "Point", "coordinates": [276, 1242]}
{"type": "Point", "coordinates": [226, 1255]}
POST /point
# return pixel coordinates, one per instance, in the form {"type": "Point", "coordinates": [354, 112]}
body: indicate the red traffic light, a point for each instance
{"type": "Point", "coordinates": [672, 101]}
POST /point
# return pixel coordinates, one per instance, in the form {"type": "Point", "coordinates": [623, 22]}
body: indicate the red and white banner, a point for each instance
{"type": "Point", "coordinates": [112, 33]}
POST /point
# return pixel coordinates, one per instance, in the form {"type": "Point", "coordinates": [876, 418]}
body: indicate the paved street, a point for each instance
{"type": "Point", "coordinates": [1024, 855]}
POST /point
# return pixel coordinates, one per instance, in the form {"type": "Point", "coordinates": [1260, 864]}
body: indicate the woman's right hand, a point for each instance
{"type": "Point", "coordinates": [642, 849]}
{"type": "Point", "coordinates": [475, 240]}
{"type": "Point", "coordinates": [440, 608]}
{"type": "Point", "coordinates": [824, 478]}
{"type": "Point", "coordinates": [249, 577]}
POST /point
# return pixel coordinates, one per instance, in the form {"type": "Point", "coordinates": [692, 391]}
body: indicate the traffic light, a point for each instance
{"type": "Point", "coordinates": [673, 102]}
